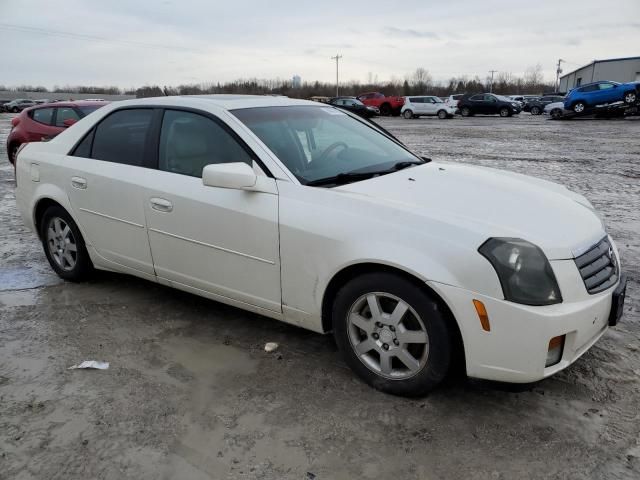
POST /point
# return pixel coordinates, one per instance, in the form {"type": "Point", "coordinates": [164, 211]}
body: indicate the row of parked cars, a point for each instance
{"type": "Point", "coordinates": [20, 104]}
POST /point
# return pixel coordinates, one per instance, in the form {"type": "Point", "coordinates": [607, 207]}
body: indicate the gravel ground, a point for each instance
{"type": "Point", "coordinates": [191, 394]}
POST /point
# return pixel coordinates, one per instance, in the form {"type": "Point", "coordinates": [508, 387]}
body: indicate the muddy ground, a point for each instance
{"type": "Point", "coordinates": [192, 395]}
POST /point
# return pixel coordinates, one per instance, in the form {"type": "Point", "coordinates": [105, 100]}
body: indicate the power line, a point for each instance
{"type": "Point", "coordinates": [65, 34]}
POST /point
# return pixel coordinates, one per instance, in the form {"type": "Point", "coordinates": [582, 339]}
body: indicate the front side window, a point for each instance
{"type": "Point", "coordinates": [318, 143]}
{"type": "Point", "coordinates": [43, 115]}
{"type": "Point", "coordinates": [66, 113]}
{"type": "Point", "coordinates": [121, 137]}
{"type": "Point", "coordinates": [189, 142]}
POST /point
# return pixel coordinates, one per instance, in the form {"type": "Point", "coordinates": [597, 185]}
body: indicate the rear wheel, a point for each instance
{"type": "Point", "coordinates": [579, 107]}
{"type": "Point", "coordinates": [385, 109]}
{"type": "Point", "coordinates": [442, 114]}
{"type": "Point", "coordinates": [505, 112]}
{"type": "Point", "coordinates": [15, 110]}
{"type": "Point", "coordinates": [535, 111]}
{"type": "Point", "coordinates": [408, 114]}
{"type": "Point", "coordinates": [392, 334]}
{"type": "Point", "coordinates": [465, 112]}
{"type": "Point", "coordinates": [64, 246]}
{"type": "Point", "coordinates": [630, 97]}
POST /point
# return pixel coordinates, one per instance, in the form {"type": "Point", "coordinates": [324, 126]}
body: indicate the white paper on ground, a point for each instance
{"type": "Point", "coordinates": [270, 347]}
{"type": "Point", "coordinates": [90, 364]}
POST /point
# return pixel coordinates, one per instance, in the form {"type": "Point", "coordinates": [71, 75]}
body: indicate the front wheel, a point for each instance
{"type": "Point", "coordinates": [408, 114]}
{"type": "Point", "coordinates": [64, 246]}
{"type": "Point", "coordinates": [392, 334]}
{"type": "Point", "coordinates": [535, 111]}
{"type": "Point", "coordinates": [15, 110]}
{"type": "Point", "coordinates": [630, 98]}
{"type": "Point", "coordinates": [556, 114]}
{"type": "Point", "coordinates": [442, 114]}
{"type": "Point", "coordinates": [385, 109]}
{"type": "Point", "coordinates": [505, 112]}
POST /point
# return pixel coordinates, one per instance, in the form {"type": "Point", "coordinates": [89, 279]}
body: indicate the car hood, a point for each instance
{"type": "Point", "coordinates": [488, 203]}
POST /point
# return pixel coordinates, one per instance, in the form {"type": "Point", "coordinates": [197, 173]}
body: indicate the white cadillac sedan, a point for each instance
{"type": "Point", "coordinates": [307, 214]}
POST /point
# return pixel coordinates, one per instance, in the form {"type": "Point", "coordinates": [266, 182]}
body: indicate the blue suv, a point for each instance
{"type": "Point", "coordinates": [599, 93]}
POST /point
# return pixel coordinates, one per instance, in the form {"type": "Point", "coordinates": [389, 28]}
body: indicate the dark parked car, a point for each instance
{"type": "Point", "coordinates": [488, 104]}
{"type": "Point", "coordinates": [354, 105]}
{"type": "Point", "coordinates": [45, 122]}
{"type": "Point", "coordinates": [536, 107]}
{"type": "Point", "coordinates": [18, 105]}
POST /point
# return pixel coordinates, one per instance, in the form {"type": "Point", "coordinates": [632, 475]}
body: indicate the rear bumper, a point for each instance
{"type": "Point", "coordinates": [515, 349]}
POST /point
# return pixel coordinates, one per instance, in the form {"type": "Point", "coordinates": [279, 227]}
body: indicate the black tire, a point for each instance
{"type": "Point", "coordinates": [505, 112]}
{"type": "Point", "coordinates": [535, 111]}
{"type": "Point", "coordinates": [442, 114]}
{"type": "Point", "coordinates": [556, 114]}
{"type": "Point", "coordinates": [433, 368]}
{"type": "Point", "coordinates": [579, 107]}
{"type": "Point", "coordinates": [630, 97]}
{"type": "Point", "coordinates": [466, 112]}
{"type": "Point", "coordinates": [82, 268]}
{"type": "Point", "coordinates": [408, 114]}
{"type": "Point", "coordinates": [15, 110]}
{"type": "Point", "coordinates": [385, 109]}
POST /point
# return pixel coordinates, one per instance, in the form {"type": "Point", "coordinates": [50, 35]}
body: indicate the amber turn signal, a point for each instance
{"type": "Point", "coordinates": [482, 315]}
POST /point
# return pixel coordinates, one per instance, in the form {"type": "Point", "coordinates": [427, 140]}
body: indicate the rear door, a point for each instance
{"type": "Point", "coordinates": [430, 106]}
{"type": "Point", "coordinates": [490, 104]}
{"type": "Point", "coordinates": [215, 240]}
{"type": "Point", "coordinates": [41, 127]}
{"type": "Point", "coordinates": [106, 174]}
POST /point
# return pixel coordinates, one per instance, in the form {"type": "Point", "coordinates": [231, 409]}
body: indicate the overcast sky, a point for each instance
{"type": "Point", "coordinates": [168, 42]}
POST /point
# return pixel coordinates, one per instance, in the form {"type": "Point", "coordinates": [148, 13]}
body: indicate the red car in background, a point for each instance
{"type": "Point", "coordinates": [45, 121]}
{"type": "Point", "coordinates": [386, 105]}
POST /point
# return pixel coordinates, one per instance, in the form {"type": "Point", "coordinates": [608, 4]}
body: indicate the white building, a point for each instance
{"type": "Point", "coordinates": [296, 82]}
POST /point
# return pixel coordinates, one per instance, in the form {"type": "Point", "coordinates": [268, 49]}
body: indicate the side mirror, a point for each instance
{"type": "Point", "coordinates": [229, 175]}
{"type": "Point", "coordinates": [69, 121]}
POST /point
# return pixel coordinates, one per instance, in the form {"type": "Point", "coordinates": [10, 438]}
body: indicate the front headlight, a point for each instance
{"type": "Point", "coordinates": [524, 271]}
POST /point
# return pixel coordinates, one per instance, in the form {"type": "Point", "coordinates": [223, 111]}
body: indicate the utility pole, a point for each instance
{"type": "Point", "coordinates": [558, 72]}
{"type": "Point", "coordinates": [337, 59]}
{"type": "Point", "coordinates": [491, 86]}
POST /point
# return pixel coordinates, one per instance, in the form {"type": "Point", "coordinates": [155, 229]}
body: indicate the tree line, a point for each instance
{"type": "Point", "coordinates": [419, 82]}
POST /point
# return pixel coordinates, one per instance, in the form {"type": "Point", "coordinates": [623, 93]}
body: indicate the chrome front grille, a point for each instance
{"type": "Point", "coordinates": [598, 267]}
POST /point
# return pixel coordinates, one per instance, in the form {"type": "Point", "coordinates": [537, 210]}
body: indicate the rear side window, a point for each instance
{"type": "Point", "coordinates": [43, 115]}
{"type": "Point", "coordinates": [65, 113]}
{"type": "Point", "coordinates": [416, 100]}
{"type": "Point", "coordinates": [477, 97]}
{"type": "Point", "coordinates": [189, 142]}
{"type": "Point", "coordinates": [121, 137]}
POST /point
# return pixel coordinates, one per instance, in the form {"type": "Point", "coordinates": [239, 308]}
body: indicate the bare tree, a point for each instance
{"type": "Point", "coordinates": [533, 77]}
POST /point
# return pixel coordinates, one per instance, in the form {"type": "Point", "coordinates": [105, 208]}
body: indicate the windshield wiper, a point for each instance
{"type": "Point", "coordinates": [347, 177]}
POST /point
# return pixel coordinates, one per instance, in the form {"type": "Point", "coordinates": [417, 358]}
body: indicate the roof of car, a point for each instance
{"type": "Point", "coordinates": [227, 102]}
{"type": "Point", "coordinates": [73, 103]}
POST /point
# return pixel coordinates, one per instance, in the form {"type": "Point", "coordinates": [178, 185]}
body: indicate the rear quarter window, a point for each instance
{"type": "Point", "coordinates": [42, 115]}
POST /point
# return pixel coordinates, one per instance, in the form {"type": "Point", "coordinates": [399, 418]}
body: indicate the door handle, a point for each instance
{"type": "Point", "coordinates": [79, 182]}
{"type": "Point", "coordinates": [161, 205]}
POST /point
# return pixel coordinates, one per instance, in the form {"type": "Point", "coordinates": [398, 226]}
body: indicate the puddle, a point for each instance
{"type": "Point", "coordinates": [19, 298]}
{"type": "Point", "coordinates": [22, 278]}
{"type": "Point", "coordinates": [204, 359]}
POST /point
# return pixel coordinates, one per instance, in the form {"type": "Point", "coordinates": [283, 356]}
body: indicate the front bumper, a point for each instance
{"type": "Point", "coordinates": [515, 349]}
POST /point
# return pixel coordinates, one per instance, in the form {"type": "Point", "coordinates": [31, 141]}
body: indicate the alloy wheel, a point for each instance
{"type": "Point", "coordinates": [578, 107]}
{"type": "Point", "coordinates": [630, 97]}
{"type": "Point", "coordinates": [388, 336]}
{"type": "Point", "coordinates": [62, 244]}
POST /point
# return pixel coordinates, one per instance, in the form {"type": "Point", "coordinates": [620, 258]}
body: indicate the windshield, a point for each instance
{"type": "Point", "coordinates": [322, 142]}
{"type": "Point", "coordinates": [87, 109]}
